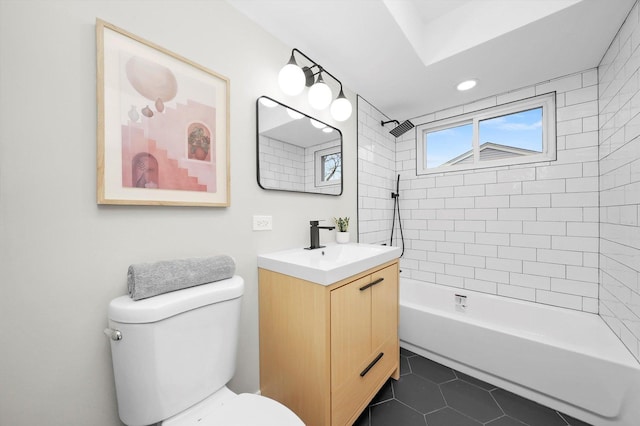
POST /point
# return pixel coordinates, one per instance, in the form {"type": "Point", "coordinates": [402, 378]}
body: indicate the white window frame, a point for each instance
{"type": "Point", "coordinates": [318, 166]}
{"type": "Point", "coordinates": [548, 104]}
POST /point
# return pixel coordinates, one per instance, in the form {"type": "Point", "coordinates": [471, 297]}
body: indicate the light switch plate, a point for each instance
{"type": "Point", "coordinates": [262, 223]}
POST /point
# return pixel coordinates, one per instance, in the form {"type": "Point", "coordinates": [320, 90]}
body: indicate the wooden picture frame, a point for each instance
{"type": "Point", "coordinates": [163, 125]}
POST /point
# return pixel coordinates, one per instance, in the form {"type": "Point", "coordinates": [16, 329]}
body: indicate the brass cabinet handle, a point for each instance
{"type": "Point", "coordinates": [370, 366]}
{"type": "Point", "coordinates": [371, 284]}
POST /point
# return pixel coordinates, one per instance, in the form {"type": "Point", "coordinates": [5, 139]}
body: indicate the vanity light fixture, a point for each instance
{"type": "Point", "coordinates": [341, 107]}
{"type": "Point", "coordinates": [320, 94]}
{"type": "Point", "coordinates": [466, 85]}
{"type": "Point", "coordinates": [327, 129]}
{"type": "Point", "coordinates": [293, 79]}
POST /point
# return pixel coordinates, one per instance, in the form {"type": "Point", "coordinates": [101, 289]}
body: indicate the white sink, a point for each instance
{"type": "Point", "coordinates": [329, 264]}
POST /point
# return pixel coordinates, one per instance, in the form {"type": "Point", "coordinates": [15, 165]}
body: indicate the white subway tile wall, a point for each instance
{"type": "Point", "coordinates": [281, 165]}
{"type": "Point", "coordinates": [377, 177]}
{"type": "Point", "coordinates": [517, 231]}
{"type": "Point", "coordinates": [619, 153]}
{"type": "Point", "coordinates": [290, 167]}
{"type": "Point", "coordinates": [564, 233]}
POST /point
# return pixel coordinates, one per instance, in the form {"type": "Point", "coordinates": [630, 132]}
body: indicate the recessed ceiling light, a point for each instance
{"type": "Point", "coordinates": [466, 85]}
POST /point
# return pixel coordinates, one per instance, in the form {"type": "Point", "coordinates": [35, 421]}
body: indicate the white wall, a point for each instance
{"type": "Point", "coordinates": [619, 76]}
{"type": "Point", "coordinates": [62, 257]}
{"type": "Point", "coordinates": [528, 231]}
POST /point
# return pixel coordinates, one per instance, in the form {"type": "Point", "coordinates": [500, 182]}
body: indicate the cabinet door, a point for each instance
{"type": "Point", "coordinates": [384, 309]}
{"type": "Point", "coordinates": [350, 330]}
{"type": "Point", "coordinates": [350, 348]}
{"type": "Point", "coordinates": [364, 341]}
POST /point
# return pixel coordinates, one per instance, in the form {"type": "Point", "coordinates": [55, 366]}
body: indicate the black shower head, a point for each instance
{"type": "Point", "coordinates": [400, 129]}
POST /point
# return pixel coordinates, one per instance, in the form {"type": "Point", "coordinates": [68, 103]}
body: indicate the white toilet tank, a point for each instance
{"type": "Point", "coordinates": [176, 349]}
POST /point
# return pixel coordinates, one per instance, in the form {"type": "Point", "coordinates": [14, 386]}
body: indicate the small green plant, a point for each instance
{"type": "Point", "coordinates": [342, 223]}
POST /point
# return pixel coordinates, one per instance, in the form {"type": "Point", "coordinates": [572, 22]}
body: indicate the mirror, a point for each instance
{"type": "Point", "coordinates": [296, 152]}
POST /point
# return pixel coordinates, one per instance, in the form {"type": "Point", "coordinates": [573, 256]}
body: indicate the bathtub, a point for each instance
{"type": "Point", "coordinates": [564, 359]}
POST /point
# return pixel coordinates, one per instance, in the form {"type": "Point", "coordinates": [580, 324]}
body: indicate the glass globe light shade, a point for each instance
{"type": "Point", "coordinates": [291, 79]}
{"type": "Point", "coordinates": [320, 95]}
{"type": "Point", "coordinates": [294, 114]}
{"type": "Point", "coordinates": [267, 102]}
{"type": "Point", "coordinates": [316, 124]}
{"type": "Point", "coordinates": [327, 130]}
{"type": "Point", "coordinates": [341, 108]}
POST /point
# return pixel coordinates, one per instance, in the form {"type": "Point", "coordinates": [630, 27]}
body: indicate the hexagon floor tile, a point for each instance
{"type": "Point", "coordinates": [430, 394]}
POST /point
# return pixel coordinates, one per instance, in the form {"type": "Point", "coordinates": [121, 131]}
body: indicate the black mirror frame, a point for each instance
{"type": "Point", "coordinates": [258, 150]}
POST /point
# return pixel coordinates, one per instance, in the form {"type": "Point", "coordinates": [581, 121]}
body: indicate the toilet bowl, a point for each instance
{"type": "Point", "coordinates": [229, 409]}
{"type": "Point", "coordinates": [173, 355]}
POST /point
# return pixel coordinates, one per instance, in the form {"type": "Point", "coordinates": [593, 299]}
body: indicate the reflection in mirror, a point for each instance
{"type": "Point", "coordinates": [297, 152]}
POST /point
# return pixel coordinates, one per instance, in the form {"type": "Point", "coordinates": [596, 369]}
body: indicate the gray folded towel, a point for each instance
{"type": "Point", "coordinates": [151, 279]}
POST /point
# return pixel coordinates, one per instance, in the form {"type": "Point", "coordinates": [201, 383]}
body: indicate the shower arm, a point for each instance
{"type": "Point", "coordinates": [390, 121]}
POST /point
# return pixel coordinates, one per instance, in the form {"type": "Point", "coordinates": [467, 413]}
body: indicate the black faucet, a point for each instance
{"type": "Point", "coordinates": [315, 234]}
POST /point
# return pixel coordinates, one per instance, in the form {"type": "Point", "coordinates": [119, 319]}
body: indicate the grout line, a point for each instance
{"type": "Point", "coordinates": [509, 417]}
{"type": "Point", "coordinates": [472, 418]}
{"type": "Point", "coordinates": [498, 404]}
{"type": "Point", "coordinates": [562, 417]}
{"type": "Point", "coordinates": [446, 403]}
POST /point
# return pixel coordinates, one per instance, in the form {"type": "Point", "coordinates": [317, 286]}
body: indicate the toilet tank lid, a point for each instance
{"type": "Point", "coordinates": [125, 310]}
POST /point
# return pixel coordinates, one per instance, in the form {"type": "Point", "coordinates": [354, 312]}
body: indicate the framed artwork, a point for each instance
{"type": "Point", "coordinates": [163, 125]}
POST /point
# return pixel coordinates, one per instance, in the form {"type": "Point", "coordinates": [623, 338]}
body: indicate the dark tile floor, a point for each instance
{"type": "Point", "coordinates": [430, 394]}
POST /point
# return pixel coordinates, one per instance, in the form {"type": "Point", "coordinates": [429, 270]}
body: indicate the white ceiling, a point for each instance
{"type": "Point", "coordinates": [407, 56]}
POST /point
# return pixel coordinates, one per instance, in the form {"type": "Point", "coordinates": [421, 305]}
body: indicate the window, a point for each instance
{"type": "Point", "coordinates": [446, 145]}
{"type": "Point", "coordinates": [328, 167]}
{"type": "Point", "coordinates": [515, 133]}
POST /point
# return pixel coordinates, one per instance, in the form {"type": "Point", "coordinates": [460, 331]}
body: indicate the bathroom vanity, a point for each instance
{"type": "Point", "coordinates": [326, 348]}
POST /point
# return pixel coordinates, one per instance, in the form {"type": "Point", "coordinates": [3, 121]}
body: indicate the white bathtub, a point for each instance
{"type": "Point", "coordinates": [564, 359]}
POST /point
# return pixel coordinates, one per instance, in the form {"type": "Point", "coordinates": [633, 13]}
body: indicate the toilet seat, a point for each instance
{"type": "Point", "coordinates": [252, 410]}
{"type": "Point", "coordinates": [244, 409]}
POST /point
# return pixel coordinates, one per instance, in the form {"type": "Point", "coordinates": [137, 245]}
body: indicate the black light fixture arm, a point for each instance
{"type": "Point", "coordinates": [321, 69]}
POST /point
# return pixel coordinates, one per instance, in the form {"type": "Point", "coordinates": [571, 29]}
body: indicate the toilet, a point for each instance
{"type": "Point", "coordinates": [173, 355]}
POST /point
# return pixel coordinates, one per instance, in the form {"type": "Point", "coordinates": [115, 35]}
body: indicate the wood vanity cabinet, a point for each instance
{"type": "Point", "coordinates": [325, 351]}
